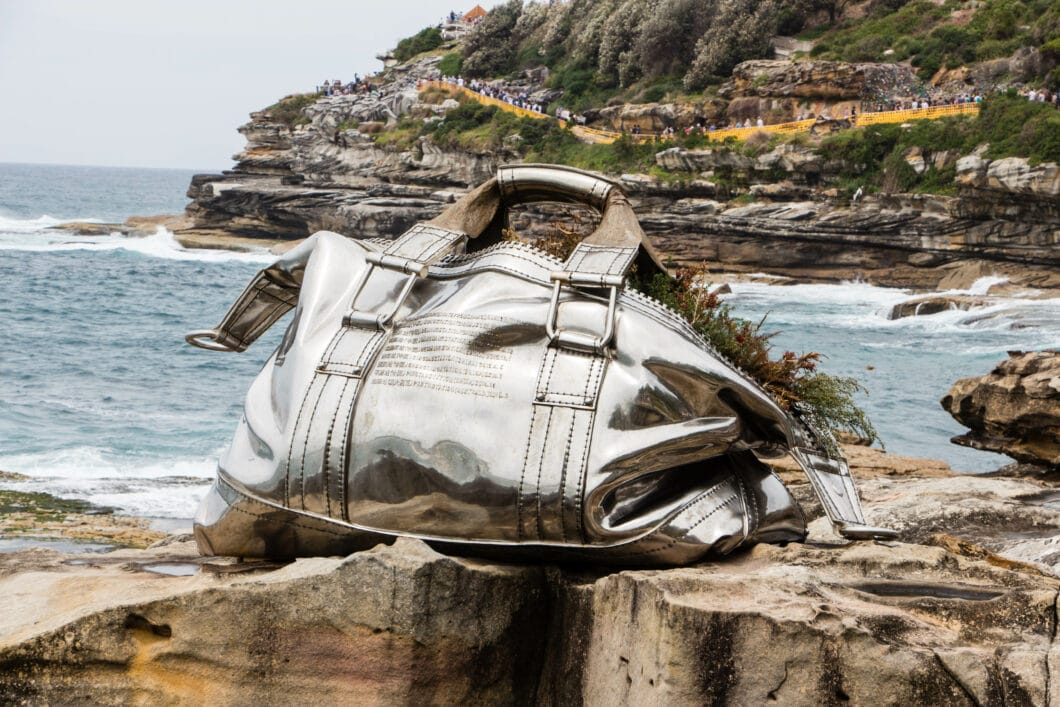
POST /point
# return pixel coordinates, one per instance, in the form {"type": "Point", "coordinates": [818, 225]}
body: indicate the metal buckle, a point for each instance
{"type": "Point", "coordinates": [369, 320]}
{"type": "Point", "coordinates": [207, 339]}
{"type": "Point", "coordinates": [576, 340]}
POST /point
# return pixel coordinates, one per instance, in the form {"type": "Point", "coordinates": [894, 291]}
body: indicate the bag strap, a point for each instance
{"type": "Point", "coordinates": [817, 453]}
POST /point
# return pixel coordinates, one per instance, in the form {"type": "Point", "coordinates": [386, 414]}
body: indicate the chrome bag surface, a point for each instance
{"type": "Point", "coordinates": [499, 402]}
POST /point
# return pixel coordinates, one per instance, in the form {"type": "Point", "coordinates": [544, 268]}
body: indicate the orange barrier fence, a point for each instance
{"type": "Point", "coordinates": [798, 126]}
{"type": "Point", "coordinates": [931, 113]}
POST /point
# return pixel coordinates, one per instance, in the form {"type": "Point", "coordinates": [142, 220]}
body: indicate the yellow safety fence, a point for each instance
{"type": "Point", "coordinates": [798, 126]}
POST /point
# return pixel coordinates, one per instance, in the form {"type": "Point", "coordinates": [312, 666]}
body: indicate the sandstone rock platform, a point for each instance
{"type": "Point", "coordinates": [864, 623]}
{"type": "Point", "coordinates": [962, 611]}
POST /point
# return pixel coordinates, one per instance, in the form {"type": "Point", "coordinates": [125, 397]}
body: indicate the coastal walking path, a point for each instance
{"type": "Point", "coordinates": [596, 135]}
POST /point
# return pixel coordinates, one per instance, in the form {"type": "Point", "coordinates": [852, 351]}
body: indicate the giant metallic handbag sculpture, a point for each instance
{"type": "Point", "coordinates": [499, 402]}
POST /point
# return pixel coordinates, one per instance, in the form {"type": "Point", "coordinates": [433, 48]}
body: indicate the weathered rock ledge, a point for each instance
{"type": "Point", "coordinates": [934, 619]}
{"type": "Point", "coordinates": [805, 624]}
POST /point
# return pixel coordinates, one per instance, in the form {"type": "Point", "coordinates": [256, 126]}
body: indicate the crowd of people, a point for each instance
{"type": "Point", "coordinates": [338, 88]}
{"type": "Point", "coordinates": [1042, 95]}
{"type": "Point", "coordinates": [519, 100]}
{"type": "Point", "coordinates": [929, 99]}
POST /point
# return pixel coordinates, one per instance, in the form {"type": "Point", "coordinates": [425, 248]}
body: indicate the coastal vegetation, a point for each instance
{"type": "Point", "coordinates": [598, 50]}
{"type": "Point", "coordinates": [425, 40]}
{"type": "Point", "coordinates": [947, 35]}
{"type": "Point", "coordinates": [1008, 125]}
{"type": "Point", "coordinates": [792, 379]}
{"type": "Point", "coordinates": [643, 51]}
{"type": "Point", "coordinates": [288, 110]}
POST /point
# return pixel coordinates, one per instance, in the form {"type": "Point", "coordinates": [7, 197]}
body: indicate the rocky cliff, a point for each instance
{"type": "Point", "coordinates": [775, 211]}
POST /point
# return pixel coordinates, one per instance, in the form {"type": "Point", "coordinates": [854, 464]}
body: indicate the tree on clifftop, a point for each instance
{"type": "Point", "coordinates": [490, 48]}
{"type": "Point", "coordinates": [615, 43]}
{"type": "Point", "coordinates": [741, 30]}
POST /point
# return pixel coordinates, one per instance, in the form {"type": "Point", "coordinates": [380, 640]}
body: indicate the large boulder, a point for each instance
{"type": "Point", "coordinates": [655, 117]}
{"type": "Point", "coordinates": [1014, 409]}
{"type": "Point", "coordinates": [933, 304]}
{"type": "Point", "coordinates": [1011, 175]}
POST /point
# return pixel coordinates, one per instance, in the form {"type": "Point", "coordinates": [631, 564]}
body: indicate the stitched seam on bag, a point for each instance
{"type": "Point", "coordinates": [325, 468]}
{"type": "Point", "coordinates": [444, 242]}
{"type": "Point", "coordinates": [702, 520]}
{"type": "Point", "coordinates": [343, 461]}
{"type": "Point", "coordinates": [590, 380]}
{"type": "Point", "coordinates": [255, 288]}
{"type": "Point", "coordinates": [370, 348]}
{"type": "Point", "coordinates": [424, 242]}
{"type": "Point", "coordinates": [326, 358]}
{"type": "Point", "coordinates": [278, 311]}
{"type": "Point", "coordinates": [477, 266]}
{"type": "Point", "coordinates": [577, 258]}
{"type": "Point", "coordinates": [395, 245]}
{"type": "Point", "coordinates": [540, 468]}
{"type": "Point", "coordinates": [522, 475]}
{"type": "Point", "coordinates": [750, 503]}
{"type": "Point", "coordinates": [579, 498]}
{"type": "Point", "coordinates": [672, 540]}
{"type": "Point", "coordinates": [549, 392]}
{"type": "Point", "coordinates": [294, 436]}
{"type": "Point", "coordinates": [826, 501]}
{"type": "Point", "coordinates": [337, 366]}
{"type": "Point", "coordinates": [308, 434]}
{"type": "Point", "coordinates": [550, 359]}
{"type": "Point", "coordinates": [563, 477]}
{"type": "Point", "coordinates": [368, 357]}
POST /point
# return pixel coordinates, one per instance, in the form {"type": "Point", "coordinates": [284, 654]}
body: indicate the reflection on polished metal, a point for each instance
{"type": "Point", "coordinates": [499, 402]}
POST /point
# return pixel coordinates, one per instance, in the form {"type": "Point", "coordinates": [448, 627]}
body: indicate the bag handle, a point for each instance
{"type": "Point", "coordinates": [609, 251]}
{"type": "Point", "coordinates": [600, 261]}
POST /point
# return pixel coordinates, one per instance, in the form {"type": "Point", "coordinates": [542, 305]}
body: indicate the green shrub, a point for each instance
{"type": "Point", "coordinates": [1017, 127]}
{"type": "Point", "coordinates": [654, 94]}
{"type": "Point", "coordinates": [466, 117]}
{"type": "Point", "coordinates": [423, 41]}
{"type": "Point", "coordinates": [451, 64]}
{"type": "Point", "coordinates": [923, 33]}
{"type": "Point", "coordinates": [792, 379]}
{"type": "Point", "coordinates": [288, 110]}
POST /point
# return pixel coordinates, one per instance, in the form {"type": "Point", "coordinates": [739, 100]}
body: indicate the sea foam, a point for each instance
{"type": "Point", "coordinates": [35, 235]}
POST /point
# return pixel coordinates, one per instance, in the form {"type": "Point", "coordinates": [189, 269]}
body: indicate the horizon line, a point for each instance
{"type": "Point", "coordinates": [113, 166]}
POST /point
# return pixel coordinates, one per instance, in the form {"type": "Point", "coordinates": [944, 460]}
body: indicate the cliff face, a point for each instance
{"type": "Point", "coordinates": [331, 174]}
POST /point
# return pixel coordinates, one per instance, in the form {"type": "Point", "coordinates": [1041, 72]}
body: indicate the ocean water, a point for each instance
{"type": "Point", "coordinates": [101, 399]}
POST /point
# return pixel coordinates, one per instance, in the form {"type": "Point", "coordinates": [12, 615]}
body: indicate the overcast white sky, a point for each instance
{"type": "Point", "coordinates": [165, 84]}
